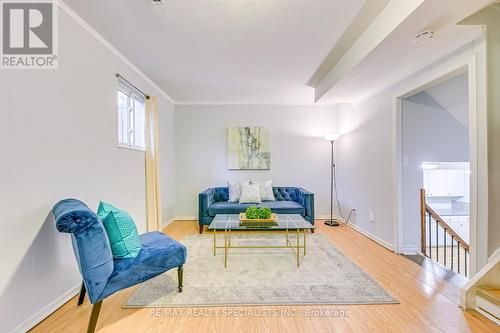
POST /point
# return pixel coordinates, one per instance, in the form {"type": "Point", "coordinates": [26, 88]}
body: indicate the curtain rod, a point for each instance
{"type": "Point", "coordinates": [130, 84]}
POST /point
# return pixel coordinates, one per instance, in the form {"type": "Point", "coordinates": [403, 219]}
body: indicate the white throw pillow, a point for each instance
{"type": "Point", "coordinates": [266, 190]}
{"type": "Point", "coordinates": [234, 190]}
{"type": "Point", "coordinates": [250, 193]}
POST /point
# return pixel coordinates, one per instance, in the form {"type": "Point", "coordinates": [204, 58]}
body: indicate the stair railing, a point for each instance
{"type": "Point", "coordinates": [456, 259]}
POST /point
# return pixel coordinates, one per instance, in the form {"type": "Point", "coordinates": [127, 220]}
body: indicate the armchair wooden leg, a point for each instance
{"type": "Point", "coordinates": [82, 294]}
{"type": "Point", "coordinates": [201, 228]}
{"type": "Point", "coordinates": [180, 274]}
{"type": "Point", "coordinates": [96, 308]}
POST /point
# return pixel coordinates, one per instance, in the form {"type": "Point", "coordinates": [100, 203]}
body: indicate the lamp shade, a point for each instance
{"type": "Point", "coordinates": [332, 136]}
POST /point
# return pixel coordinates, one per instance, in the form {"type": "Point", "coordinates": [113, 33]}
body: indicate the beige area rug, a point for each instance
{"type": "Point", "coordinates": [261, 277]}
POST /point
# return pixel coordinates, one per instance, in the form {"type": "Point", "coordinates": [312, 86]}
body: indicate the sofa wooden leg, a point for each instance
{"type": "Point", "coordinates": [96, 308]}
{"type": "Point", "coordinates": [312, 231]}
{"type": "Point", "coordinates": [201, 228]}
{"type": "Point", "coordinates": [180, 273]}
{"type": "Point", "coordinates": [82, 294]}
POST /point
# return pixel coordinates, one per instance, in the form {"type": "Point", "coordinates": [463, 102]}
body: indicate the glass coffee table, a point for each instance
{"type": "Point", "coordinates": [288, 224]}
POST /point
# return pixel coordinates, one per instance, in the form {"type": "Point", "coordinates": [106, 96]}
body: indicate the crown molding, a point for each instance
{"type": "Point", "coordinates": [248, 103]}
{"type": "Point", "coordinates": [78, 19]}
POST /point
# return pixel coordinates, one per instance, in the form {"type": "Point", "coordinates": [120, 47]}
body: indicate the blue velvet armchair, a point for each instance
{"type": "Point", "coordinates": [102, 275]}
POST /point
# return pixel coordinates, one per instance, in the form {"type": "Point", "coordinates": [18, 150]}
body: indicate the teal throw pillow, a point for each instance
{"type": "Point", "coordinates": [121, 230]}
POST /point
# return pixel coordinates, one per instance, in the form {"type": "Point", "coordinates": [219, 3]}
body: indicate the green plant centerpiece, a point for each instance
{"type": "Point", "coordinates": [254, 213]}
{"type": "Point", "coordinates": [256, 217]}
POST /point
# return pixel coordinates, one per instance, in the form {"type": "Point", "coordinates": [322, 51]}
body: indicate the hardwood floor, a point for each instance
{"type": "Point", "coordinates": [428, 302]}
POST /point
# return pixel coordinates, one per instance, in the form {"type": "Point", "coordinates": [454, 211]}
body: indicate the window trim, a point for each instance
{"type": "Point", "coordinates": [132, 94]}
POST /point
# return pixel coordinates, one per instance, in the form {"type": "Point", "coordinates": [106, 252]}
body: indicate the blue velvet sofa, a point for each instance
{"type": "Point", "coordinates": [102, 275]}
{"type": "Point", "coordinates": [289, 200]}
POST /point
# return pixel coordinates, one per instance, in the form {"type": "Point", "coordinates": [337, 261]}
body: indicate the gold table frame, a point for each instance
{"type": "Point", "coordinates": [296, 248]}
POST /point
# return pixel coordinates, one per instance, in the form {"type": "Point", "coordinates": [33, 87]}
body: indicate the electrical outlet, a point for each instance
{"type": "Point", "coordinates": [371, 217]}
{"type": "Point", "coordinates": [354, 211]}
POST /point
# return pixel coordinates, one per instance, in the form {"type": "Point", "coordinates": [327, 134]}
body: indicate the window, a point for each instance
{"type": "Point", "coordinates": [131, 118]}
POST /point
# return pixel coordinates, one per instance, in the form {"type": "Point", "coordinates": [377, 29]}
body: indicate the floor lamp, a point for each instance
{"type": "Point", "coordinates": [332, 221]}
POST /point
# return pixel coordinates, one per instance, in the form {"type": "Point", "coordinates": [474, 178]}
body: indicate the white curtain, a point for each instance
{"type": "Point", "coordinates": [153, 202]}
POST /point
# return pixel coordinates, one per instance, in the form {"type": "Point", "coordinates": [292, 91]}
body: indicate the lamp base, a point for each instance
{"type": "Point", "coordinates": [332, 223]}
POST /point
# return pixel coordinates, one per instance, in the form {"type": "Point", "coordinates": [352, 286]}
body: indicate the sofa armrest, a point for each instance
{"type": "Point", "coordinates": [306, 200]}
{"type": "Point", "coordinates": [205, 200]}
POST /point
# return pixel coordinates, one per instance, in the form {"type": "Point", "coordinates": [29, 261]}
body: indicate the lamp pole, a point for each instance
{"type": "Point", "coordinates": [331, 221]}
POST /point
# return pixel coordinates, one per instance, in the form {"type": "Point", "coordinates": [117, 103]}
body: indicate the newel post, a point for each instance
{"type": "Point", "coordinates": [422, 222]}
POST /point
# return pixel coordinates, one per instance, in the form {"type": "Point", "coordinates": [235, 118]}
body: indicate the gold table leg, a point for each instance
{"type": "Point", "coordinates": [298, 248]}
{"type": "Point", "coordinates": [225, 248]}
{"type": "Point", "coordinates": [215, 243]}
{"type": "Point", "coordinates": [289, 244]}
{"type": "Point", "coordinates": [305, 242]}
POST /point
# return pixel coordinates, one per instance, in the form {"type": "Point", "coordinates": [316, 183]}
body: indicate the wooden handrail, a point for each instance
{"type": "Point", "coordinates": [446, 227]}
{"type": "Point", "coordinates": [440, 221]}
{"type": "Point", "coordinates": [423, 245]}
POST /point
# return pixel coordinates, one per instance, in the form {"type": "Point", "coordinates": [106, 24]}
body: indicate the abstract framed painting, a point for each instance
{"type": "Point", "coordinates": [249, 148]}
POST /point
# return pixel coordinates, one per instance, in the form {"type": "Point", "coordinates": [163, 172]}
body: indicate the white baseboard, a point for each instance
{"type": "Point", "coordinates": [411, 250]}
{"type": "Point", "coordinates": [167, 223]}
{"type": "Point", "coordinates": [47, 310]}
{"type": "Point", "coordinates": [488, 309]}
{"type": "Point", "coordinates": [185, 218]}
{"type": "Point", "coordinates": [382, 242]}
{"type": "Point", "coordinates": [487, 315]}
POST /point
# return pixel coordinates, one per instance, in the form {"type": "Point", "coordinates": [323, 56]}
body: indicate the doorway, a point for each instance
{"type": "Point", "coordinates": [435, 145]}
{"type": "Point", "coordinates": [409, 232]}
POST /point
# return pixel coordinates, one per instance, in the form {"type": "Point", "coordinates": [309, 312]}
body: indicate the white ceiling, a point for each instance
{"type": "Point", "coordinates": [265, 51]}
{"type": "Point", "coordinates": [396, 57]}
{"type": "Point", "coordinates": [247, 51]}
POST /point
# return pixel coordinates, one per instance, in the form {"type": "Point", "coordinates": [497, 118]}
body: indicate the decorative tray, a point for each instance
{"type": "Point", "coordinates": [270, 222]}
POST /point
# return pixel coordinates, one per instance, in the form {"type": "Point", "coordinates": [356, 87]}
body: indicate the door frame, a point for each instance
{"type": "Point", "coordinates": [474, 63]}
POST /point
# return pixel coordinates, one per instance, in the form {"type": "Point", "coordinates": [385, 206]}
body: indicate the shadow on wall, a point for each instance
{"type": "Point", "coordinates": [47, 271]}
{"type": "Point", "coordinates": [364, 165]}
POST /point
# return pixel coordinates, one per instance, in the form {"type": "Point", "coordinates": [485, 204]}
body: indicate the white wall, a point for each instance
{"type": "Point", "coordinates": [490, 18]}
{"type": "Point", "coordinates": [300, 156]}
{"type": "Point", "coordinates": [59, 134]}
{"type": "Point", "coordinates": [167, 160]}
{"type": "Point", "coordinates": [365, 168]}
{"type": "Point", "coordinates": [453, 96]}
{"type": "Point", "coordinates": [430, 133]}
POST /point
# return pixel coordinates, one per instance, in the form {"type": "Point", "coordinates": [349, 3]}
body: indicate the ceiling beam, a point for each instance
{"type": "Point", "coordinates": [344, 58]}
{"type": "Point", "coordinates": [368, 12]}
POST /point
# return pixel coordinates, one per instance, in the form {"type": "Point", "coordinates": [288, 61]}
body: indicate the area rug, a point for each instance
{"type": "Point", "coordinates": [261, 277]}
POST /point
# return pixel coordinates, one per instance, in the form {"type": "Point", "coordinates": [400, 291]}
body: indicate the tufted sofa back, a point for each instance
{"type": "Point", "coordinates": [221, 194]}
{"type": "Point", "coordinates": [285, 193]}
